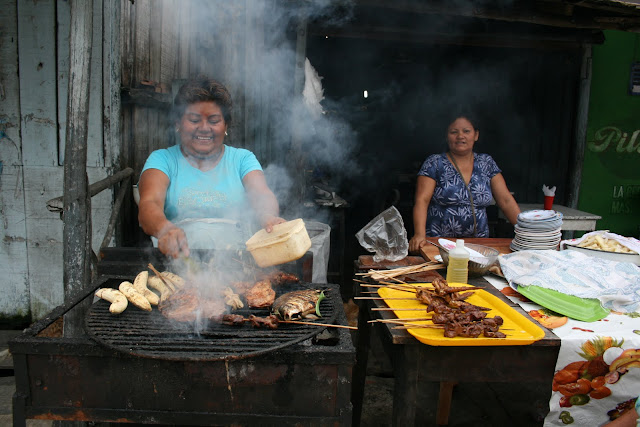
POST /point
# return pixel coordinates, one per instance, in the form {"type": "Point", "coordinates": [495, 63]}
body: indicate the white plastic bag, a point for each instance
{"type": "Point", "coordinates": [386, 236]}
{"type": "Point", "coordinates": [320, 234]}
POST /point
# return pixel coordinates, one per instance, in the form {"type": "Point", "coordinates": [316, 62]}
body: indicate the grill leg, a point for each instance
{"type": "Point", "coordinates": [19, 405]}
{"type": "Point", "coordinates": [360, 369]}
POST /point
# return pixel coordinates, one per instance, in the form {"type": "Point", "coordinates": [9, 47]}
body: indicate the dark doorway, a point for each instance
{"type": "Point", "coordinates": [523, 101]}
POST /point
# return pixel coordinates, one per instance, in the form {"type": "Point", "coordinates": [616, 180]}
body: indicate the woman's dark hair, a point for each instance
{"type": "Point", "coordinates": [464, 115]}
{"type": "Point", "coordinates": [199, 89]}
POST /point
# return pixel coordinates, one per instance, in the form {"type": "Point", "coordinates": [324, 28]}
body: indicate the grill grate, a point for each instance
{"type": "Point", "coordinates": [150, 334]}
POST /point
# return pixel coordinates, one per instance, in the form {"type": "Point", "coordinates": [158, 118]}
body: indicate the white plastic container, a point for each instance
{"type": "Point", "coordinates": [458, 268]}
{"type": "Point", "coordinates": [287, 242]}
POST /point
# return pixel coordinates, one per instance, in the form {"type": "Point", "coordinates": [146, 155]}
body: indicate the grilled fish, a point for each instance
{"type": "Point", "coordinates": [299, 304]}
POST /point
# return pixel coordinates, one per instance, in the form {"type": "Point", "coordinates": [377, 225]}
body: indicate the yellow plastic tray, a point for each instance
{"type": "Point", "coordinates": [518, 329]}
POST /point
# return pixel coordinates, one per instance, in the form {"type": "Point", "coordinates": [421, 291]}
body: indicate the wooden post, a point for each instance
{"type": "Point", "coordinates": [582, 116]}
{"type": "Point", "coordinates": [77, 200]}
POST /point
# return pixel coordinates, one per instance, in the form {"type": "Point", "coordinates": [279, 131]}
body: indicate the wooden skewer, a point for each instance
{"type": "Point", "coordinates": [397, 309]}
{"type": "Point", "coordinates": [401, 322]}
{"type": "Point", "coordinates": [371, 285]}
{"type": "Point", "coordinates": [405, 327]}
{"type": "Point", "coordinates": [377, 275]}
{"type": "Point", "coordinates": [168, 285]}
{"type": "Point", "coordinates": [317, 324]}
{"type": "Point", "coordinates": [386, 276]}
{"type": "Point", "coordinates": [416, 319]}
{"type": "Point", "coordinates": [409, 285]}
{"type": "Point", "coordinates": [380, 298]}
{"type": "Point", "coordinates": [392, 286]}
{"type": "Point", "coordinates": [330, 325]}
{"type": "Point", "coordinates": [414, 287]}
{"type": "Point", "coordinates": [390, 274]}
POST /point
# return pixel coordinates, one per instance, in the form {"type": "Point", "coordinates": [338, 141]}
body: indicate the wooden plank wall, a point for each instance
{"type": "Point", "coordinates": [173, 40]}
{"type": "Point", "coordinates": [32, 116]}
{"type": "Point", "coordinates": [13, 251]}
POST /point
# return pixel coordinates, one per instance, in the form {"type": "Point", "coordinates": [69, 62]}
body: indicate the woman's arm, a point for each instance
{"type": "Point", "coordinates": [424, 191]}
{"type": "Point", "coordinates": [153, 187]}
{"type": "Point", "coordinates": [627, 419]}
{"type": "Point", "coordinates": [262, 199]}
{"type": "Point", "coordinates": [504, 199]}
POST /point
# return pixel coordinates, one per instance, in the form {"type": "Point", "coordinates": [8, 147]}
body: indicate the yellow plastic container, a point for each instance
{"type": "Point", "coordinates": [287, 242]}
{"type": "Point", "coordinates": [518, 329]}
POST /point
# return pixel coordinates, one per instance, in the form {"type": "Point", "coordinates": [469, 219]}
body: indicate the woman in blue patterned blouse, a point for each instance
{"type": "Point", "coordinates": [455, 188]}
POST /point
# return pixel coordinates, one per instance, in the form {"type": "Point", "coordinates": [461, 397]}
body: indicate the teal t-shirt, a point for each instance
{"type": "Point", "coordinates": [216, 193]}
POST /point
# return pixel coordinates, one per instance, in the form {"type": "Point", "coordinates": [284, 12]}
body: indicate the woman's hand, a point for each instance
{"type": "Point", "coordinates": [269, 221]}
{"type": "Point", "coordinates": [416, 243]}
{"type": "Point", "coordinates": [153, 189]}
{"type": "Point", "coordinates": [173, 242]}
{"type": "Point", "coordinates": [262, 200]}
{"type": "Point", "coordinates": [425, 186]}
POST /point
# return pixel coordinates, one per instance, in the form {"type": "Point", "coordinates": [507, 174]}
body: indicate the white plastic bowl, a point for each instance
{"type": "Point", "coordinates": [287, 242]}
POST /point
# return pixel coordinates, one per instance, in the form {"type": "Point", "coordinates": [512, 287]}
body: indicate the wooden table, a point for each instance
{"type": "Point", "coordinates": [415, 363]}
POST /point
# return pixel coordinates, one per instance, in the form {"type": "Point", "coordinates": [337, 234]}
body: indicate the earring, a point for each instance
{"type": "Point", "coordinates": [177, 129]}
{"type": "Point", "coordinates": [225, 133]}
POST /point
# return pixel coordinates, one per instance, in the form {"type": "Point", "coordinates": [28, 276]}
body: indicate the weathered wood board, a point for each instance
{"type": "Point", "coordinates": [13, 250]}
{"type": "Point", "coordinates": [31, 171]}
{"type": "Point", "coordinates": [36, 55]}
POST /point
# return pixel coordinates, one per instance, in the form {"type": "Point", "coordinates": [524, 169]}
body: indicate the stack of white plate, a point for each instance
{"type": "Point", "coordinates": [537, 229]}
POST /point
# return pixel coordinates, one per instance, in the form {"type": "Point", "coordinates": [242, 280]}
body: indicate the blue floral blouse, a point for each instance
{"type": "Point", "coordinates": [449, 213]}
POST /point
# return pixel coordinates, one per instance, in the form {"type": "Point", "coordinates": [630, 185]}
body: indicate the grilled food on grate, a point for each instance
{"type": "Point", "coordinates": [261, 295]}
{"type": "Point", "coordinates": [188, 305]}
{"type": "Point", "coordinates": [299, 304]}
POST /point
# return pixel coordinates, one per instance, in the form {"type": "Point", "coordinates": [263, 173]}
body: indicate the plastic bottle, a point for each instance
{"type": "Point", "coordinates": [458, 268]}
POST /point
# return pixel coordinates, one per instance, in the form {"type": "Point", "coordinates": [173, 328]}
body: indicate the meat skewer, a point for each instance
{"type": "Point", "coordinates": [457, 317]}
{"type": "Point", "coordinates": [271, 321]}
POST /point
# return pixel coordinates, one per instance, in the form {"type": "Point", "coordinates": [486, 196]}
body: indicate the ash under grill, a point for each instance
{"type": "Point", "coordinates": [150, 334]}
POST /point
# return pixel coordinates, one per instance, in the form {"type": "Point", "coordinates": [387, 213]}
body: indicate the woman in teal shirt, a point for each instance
{"type": "Point", "coordinates": [201, 177]}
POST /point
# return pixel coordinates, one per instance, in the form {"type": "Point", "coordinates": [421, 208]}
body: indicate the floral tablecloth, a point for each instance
{"type": "Point", "coordinates": [597, 375]}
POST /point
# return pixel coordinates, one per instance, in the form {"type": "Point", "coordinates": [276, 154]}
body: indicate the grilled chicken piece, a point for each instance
{"type": "Point", "coordinates": [187, 305]}
{"type": "Point", "coordinates": [242, 287]}
{"type": "Point", "coordinates": [280, 277]}
{"type": "Point", "coordinates": [260, 295]}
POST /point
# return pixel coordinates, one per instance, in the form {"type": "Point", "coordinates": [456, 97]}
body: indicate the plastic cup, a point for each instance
{"type": "Point", "coordinates": [548, 202]}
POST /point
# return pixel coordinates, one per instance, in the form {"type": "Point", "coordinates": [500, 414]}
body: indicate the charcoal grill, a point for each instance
{"type": "Point", "coordinates": [80, 379]}
{"type": "Point", "coordinates": [150, 334]}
